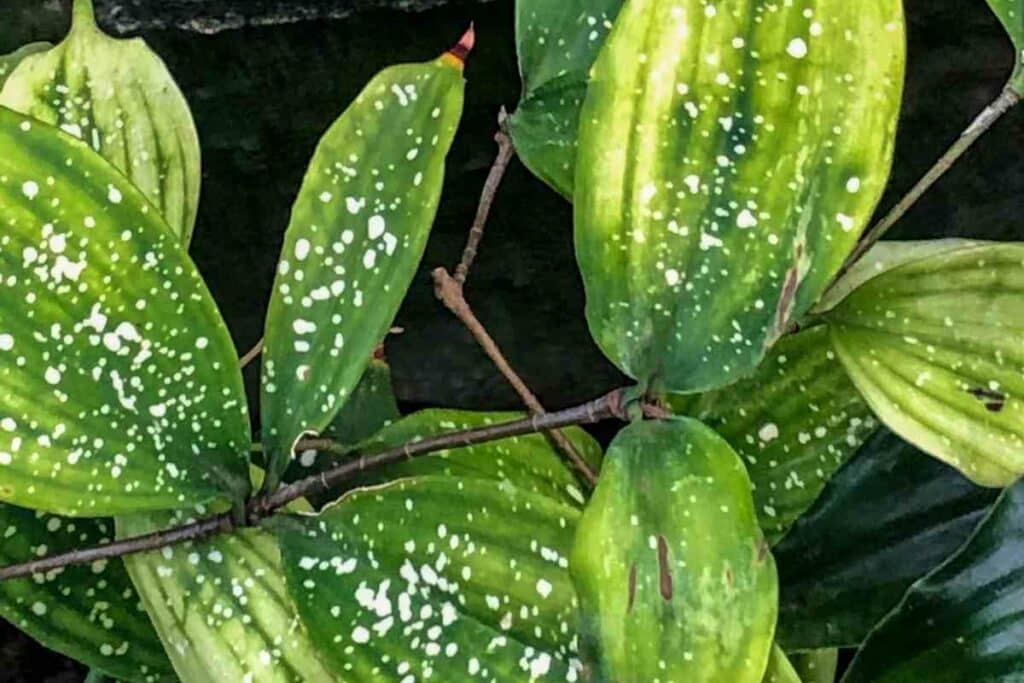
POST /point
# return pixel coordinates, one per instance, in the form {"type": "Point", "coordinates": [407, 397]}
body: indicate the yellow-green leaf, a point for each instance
{"type": "Point", "coordinates": [90, 612]}
{"type": "Point", "coordinates": [11, 60]}
{"type": "Point", "coordinates": [118, 96]}
{"type": "Point", "coordinates": [357, 232]}
{"type": "Point", "coordinates": [780, 669]}
{"type": "Point", "coordinates": [730, 155]}
{"type": "Point", "coordinates": [119, 385]}
{"type": "Point", "coordinates": [936, 346]}
{"type": "Point", "coordinates": [675, 580]}
{"type": "Point", "coordinates": [221, 607]}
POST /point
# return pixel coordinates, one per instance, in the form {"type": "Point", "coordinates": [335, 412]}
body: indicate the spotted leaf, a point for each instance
{"type": "Point", "coordinates": [888, 517]}
{"type": "Point", "coordinates": [675, 579]}
{"type": "Point", "coordinates": [437, 577]}
{"type": "Point", "coordinates": [794, 423]}
{"type": "Point", "coordinates": [1011, 15]}
{"type": "Point", "coordinates": [118, 96]}
{"type": "Point", "coordinates": [9, 61]}
{"type": "Point", "coordinates": [730, 155]}
{"type": "Point", "coordinates": [962, 622]}
{"type": "Point", "coordinates": [119, 386]}
{"type": "Point", "coordinates": [221, 606]}
{"type": "Point", "coordinates": [90, 613]}
{"type": "Point", "coordinates": [371, 407]}
{"type": "Point", "coordinates": [936, 346]}
{"type": "Point", "coordinates": [357, 232]}
{"type": "Point", "coordinates": [557, 43]}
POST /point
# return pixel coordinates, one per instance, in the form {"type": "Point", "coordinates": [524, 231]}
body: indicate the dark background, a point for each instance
{"type": "Point", "coordinates": [265, 78]}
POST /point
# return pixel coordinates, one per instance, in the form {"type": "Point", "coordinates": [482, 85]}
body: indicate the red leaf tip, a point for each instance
{"type": "Point", "coordinates": [465, 45]}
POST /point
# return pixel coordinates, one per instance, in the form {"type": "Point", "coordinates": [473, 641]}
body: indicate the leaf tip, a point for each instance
{"type": "Point", "coordinates": [461, 50]}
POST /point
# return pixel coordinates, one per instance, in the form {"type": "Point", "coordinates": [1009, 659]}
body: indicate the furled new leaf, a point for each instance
{"type": "Point", "coordinates": [794, 423]}
{"type": "Point", "coordinates": [1011, 15]}
{"type": "Point", "coordinates": [887, 518]}
{"type": "Point", "coordinates": [357, 232]}
{"type": "Point", "coordinates": [438, 577]}
{"type": "Point", "coordinates": [675, 579]}
{"type": "Point", "coordinates": [730, 155]}
{"type": "Point", "coordinates": [11, 60]}
{"type": "Point", "coordinates": [118, 96]}
{"type": "Point", "coordinates": [221, 607]}
{"type": "Point", "coordinates": [936, 346]}
{"type": "Point", "coordinates": [90, 613]}
{"type": "Point", "coordinates": [119, 386]}
{"type": "Point", "coordinates": [557, 43]}
{"type": "Point", "coordinates": [965, 620]}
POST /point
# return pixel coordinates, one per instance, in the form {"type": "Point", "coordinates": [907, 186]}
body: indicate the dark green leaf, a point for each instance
{"type": "Point", "coordinates": [439, 578]}
{"type": "Point", "coordinates": [794, 423]}
{"type": "Point", "coordinates": [90, 613]}
{"type": "Point", "coordinates": [9, 61]}
{"type": "Point", "coordinates": [965, 620]}
{"type": "Point", "coordinates": [118, 96]}
{"type": "Point", "coordinates": [730, 155]}
{"type": "Point", "coordinates": [888, 517]}
{"type": "Point", "coordinates": [370, 408]}
{"type": "Point", "coordinates": [119, 384]}
{"type": "Point", "coordinates": [357, 232]}
{"type": "Point", "coordinates": [675, 579]}
{"type": "Point", "coordinates": [221, 607]}
{"type": "Point", "coordinates": [935, 343]}
{"type": "Point", "coordinates": [1011, 15]}
{"type": "Point", "coordinates": [556, 43]}
{"type": "Point", "coordinates": [816, 666]}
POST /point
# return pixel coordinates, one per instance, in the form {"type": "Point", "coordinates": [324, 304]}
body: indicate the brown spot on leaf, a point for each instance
{"type": "Point", "coordinates": [762, 550]}
{"type": "Point", "coordinates": [664, 570]}
{"type": "Point", "coordinates": [632, 587]}
{"type": "Point", "coordinates": [994, 400]}
{"type": "Point", "coordinates": [729, 578]}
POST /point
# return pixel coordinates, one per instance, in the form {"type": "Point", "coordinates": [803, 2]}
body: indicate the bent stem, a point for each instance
{"type": "Point", "coordinates": [606, 407]}
{"type": "Point", "coordinates": [1007, 99]}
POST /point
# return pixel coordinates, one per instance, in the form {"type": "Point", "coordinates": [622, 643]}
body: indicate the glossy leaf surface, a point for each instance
{"type": "Point", "coordinates": [936, 346]}
{"type": "Point", "coordinates": [90, 613]}
{"type": "Point", "coordinates": [118, 96]}
{"type": "Point", "coordinates": [221, 607]}
{"type": "Point", "coordinates": [965, 620]}
{"type": "Point", "coordinates": [675, 579]}
{"type": "Point", "coordinates": [437, 577]}
{"type": "Point", "coordinates": [557, 43]}
{"type": "Point", "coordinates": [11, 60]}
{"type": "Point", "coordinates": [357, 232]}
{"type": "Point", "coordinates": [887, 518]}
{"type": "Point", "coordinates": [119, 385]}
{"type": "Point", "coordinates": [730, 155]}
{"type": "Point", "coordinates": [794, 423]}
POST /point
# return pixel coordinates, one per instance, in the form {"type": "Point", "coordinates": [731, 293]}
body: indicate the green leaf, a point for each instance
{"type": "Point", "coordinates": [441, 577]}
{"type": "Point", "coordinates": [794, 423]}
{"type": "Point", "coordinates": [90, 613]}
{"type": "Point", "coordinates": [816, 666]}
{"type": "Point", "coordinates": [887, 518]}
{"type": "Point", "coordinates": [780, 669]}
{"type": "Point", "coordinates": [1011, 15]}
{"type": "Point", "coordinates": [119, 384]}
{"type": "Point", "coordinates": [370, 408]}
{"type": "Point", "coordinates": [730, 155]}
{"type": "Point", "coordinates": [118, 96]}
{"type": "Point", "coordinates": [557, 43]}
{"type": "Point", "coordinates": [10, 61]}
{"type": "Point", "coordinates": [221, 606]}
{"type": "Point", "coordinates": [965, 620]}
{"type": "Point", "coordinates": [936, 346]}
{"type": "Point", "coordinates": [674, 576]}
{"type": "Point", "coordinates": [357, 232]}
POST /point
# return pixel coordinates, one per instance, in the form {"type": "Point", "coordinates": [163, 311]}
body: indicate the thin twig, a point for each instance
{"type": "Point", "coordinates": [606, 407]}
{"type": "Point", "coordinates": [506, 150]}
{"type": "Point", "coordinates": [251, 354]}
{"type": "Point", "coordinates": [450, 293]}
{"type": "Point", "coordinates": [1007, 99]}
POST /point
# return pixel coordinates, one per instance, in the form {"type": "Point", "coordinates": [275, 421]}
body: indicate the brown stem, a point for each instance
{"type": "Point", "coordinates": [506, 150]}
{"type": "Point", "coordinates": [449, 291]}
{"type": "Point", "coordinates": [1007, 99]}
{"type": "Point", "coordinates": [251, 354]}
{"type": "Point", "coordinates": [603, 408]}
